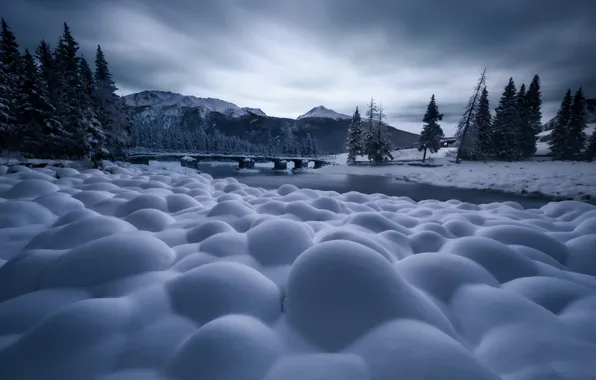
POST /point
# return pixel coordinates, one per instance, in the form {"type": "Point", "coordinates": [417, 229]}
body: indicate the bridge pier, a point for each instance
{"type": "Point", "coordinates": [189, 162]}
{"type": "Point", "coordinates": [280, 165]}
{"type": "Point", "coordinates": [298, 164]}
{"type": "Point", "coordinates": [317, 164]}
{"type": "Point", "coordinates": [246, 163]}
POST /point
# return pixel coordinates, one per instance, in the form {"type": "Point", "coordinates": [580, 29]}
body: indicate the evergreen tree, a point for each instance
{"type": "Point", "coordinates": [534, 105]}
{"type": "Point", "coordinates": [69, 92]}
{"type": "Point", "coordinates": [270, 143]}
{"type": "Point", "coordinates": [384, 143]}
{"type": "Point", "coordinates": [467, 130]}
{"type": "Point", "coordinates": [354, 140]}
{"type": "Point", "coordinates": [430, 138]}
{"type": "Point", "coordinates": [482, 121]}
{"type": "Point", "coordinates": [558, 136]}
{"type": "Point", "coordinates": [47, 67]}
{"type": "Point", "coordinates": [576, 137]}
{"type": "Point", "coordinates": [527, 134]}
{"type": "Point", "coordinates": [92, 134]}
{"type": "Point", "coordinates": [39, 130]}
{"type": "Point", "coordinates": [369, 135]}
{"type": "Point", "coordinates": [505, 134]}
{"type": "Point", "coordinates": [9, 84]}
{"type": "Point", "coordinates": [114, 114]}
{"type": "Point", "coordinates": [591, 148]}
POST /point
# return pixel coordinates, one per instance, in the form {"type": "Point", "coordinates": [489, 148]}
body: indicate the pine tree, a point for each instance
{"type": "Point", "coordinates": [576, 137]}
{"type": "Point", "coordinates": [527, 134]}
{"type": "Point", "coordinates": [505, 134]}
{"type": "Point", "coordinates": [369, 135]}
{"type": "Point", "coordinates": [430, 138]}
{"type": "Point", "coordinates": [270, 143]}
{"type": "Point", "coordinates": [92, 134]}
{"type": "Point", "coordinates": [354, 140]}
{"type": "Point", "coordinates": [558, 136]}
{"type": "Point", "coordinates": [47, 67]}
{"type": "Point", "coordinates": [534, 104]}
{"type": "Point", "coordinates": [591, 148]}
{"type": "Point", "coordinates": [384, 150]}
{"type": "Point", "coordinates": [114, 114]}
{"type": "Point", "coordinates": [483, 124]}
{"type": "Point", "coordinates": [467, 130]}
{"type": "Point", "coordinates": [39, 129]}
{"type": "Point", "coordinates": [10, 62]}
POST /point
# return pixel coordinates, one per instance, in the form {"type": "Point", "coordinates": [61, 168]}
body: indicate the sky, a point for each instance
{"type": "Point", "coordinates": [288, 56]}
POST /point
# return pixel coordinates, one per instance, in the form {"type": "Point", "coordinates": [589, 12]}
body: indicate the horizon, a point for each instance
{"type": "Point", "coordinates": [287, 57]}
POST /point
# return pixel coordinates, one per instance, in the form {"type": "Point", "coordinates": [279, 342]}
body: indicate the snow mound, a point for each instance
{"type": "Point", "coordinates": [148, 273]}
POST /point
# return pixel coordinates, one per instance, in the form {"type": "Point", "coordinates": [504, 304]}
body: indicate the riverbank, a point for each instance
{"type": "Point", "coordinates": [557, 179]}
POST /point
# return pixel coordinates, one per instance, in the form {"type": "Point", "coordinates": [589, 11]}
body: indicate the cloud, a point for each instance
{"type": "Point", "coordinates": [286, 57]}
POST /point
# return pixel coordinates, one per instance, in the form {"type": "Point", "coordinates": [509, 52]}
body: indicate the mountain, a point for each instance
{"type": "Point", "coordinates": [590, 115]}
{"type": "Point", "coordinates": [255, 111]}
{"type": "Point", "coordinates": [321, 112]}
{"type": "Point", "coordinates": [160, 117]}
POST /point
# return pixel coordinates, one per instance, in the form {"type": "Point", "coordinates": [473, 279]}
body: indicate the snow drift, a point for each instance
{"type": "Point", "coordinates": [153, 274]}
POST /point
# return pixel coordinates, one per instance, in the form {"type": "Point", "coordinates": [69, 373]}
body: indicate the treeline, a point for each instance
{"type": "Point", "coordinates": [511, 134]}
{"type": "Point", "coordinates": [368, 137]}
{"type": "Point", "coordinates": [52, 105]}
{"type": "Point", "coordinates": [196, 139]}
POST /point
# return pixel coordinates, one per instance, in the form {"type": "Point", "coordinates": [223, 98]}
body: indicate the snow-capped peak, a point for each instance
{"type": "Point", "coordinates": [165, 99]}
{"type": "Point", "coordinates": [255, 111]}
{"type": "Point", "coordinates": [324, 113]}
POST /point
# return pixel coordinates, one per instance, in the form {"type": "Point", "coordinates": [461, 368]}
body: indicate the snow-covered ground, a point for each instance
{"type": "Point", "coordinates": [575, 180]}
{"type": "Point", "coordinates": [147, 273]}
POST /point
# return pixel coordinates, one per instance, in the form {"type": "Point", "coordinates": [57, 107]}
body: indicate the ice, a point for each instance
{"type": "Point", "coordinates": [154, 272]}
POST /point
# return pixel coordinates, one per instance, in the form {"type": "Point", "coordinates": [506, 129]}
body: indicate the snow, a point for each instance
{"type": "Point", "coordinates": [159, 272]}
{"type": "Point", "coordinates": [256, 111]}
{"type": "Point", "coordinates": [325, 113]}
{"type": "Point", "coordinates": [561, 179]}
{"type": "Point", "coordinates": [163, 99]}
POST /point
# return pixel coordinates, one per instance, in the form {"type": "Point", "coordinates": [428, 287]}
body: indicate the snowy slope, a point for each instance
{"type": "Point", "coordinates": [324, 113]}
{"type": "Point", "coordinates": [256, 111]}
{"type": "Point", "coordinates": [155, 274]}
{"type": "Point", "coordinates": [161, 99]}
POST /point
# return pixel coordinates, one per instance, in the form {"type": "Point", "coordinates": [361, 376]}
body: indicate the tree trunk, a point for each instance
{"type": "Point", "coordinates": [424, 156]}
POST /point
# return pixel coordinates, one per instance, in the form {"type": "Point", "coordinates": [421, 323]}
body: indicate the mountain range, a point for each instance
{"type": "Point", "coordinates": [161, 109]}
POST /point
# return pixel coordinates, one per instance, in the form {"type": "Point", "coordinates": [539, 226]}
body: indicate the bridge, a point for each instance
{"type": "Point", "coordinates": [245, 161]}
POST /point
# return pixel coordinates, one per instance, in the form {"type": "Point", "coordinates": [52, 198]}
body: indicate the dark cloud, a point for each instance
{"type": "Point", "coordinates": [291, 55]}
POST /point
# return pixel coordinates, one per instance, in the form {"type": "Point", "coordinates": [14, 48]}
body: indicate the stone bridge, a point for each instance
{"type": "Point", "coordinates": [245, 161]}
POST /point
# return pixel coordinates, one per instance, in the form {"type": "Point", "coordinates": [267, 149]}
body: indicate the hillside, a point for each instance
{"type": "Point", "coordinates": [161, 113]}
{"type": "Point", "coordinates": [590, 117]}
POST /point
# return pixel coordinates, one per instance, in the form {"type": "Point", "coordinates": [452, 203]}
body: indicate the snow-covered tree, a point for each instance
{"type": "Point", "coordinates": [558, 136]}
{"type": "Point", "coordinates": [430, 138]}
{"type": "Point", "coordinates": [113, 112]}
{"type": "Point", "coordinates": [505, 134]}
{"type": "Point", "coordinates": [354, 140]}
{"type": "Point", "coordinates": [92, 134]}
{"type": "Point", "coordinates": [39, 130]}
{"type": "Point", "coordinates": [368, 141]}
{"type": "Point", "coordinates": [576, 136]}
{"type": "Point", "coordinates": [47, 66]}
{"type": "Point", "coordinates": [483, 124]}
{"type": "Point", "coordinates": [534, 105]}
{"type": "Point", "coordinates": [467, 130]}
{"type": "Point", "coordinates": [527, 134]}
{"type": "Point", "coordinates": [6, 109]}
{"type": "Point", "coordinates": [290, 144]}
{"type": "Point", "coordinates": [9, 84]}
{"type": "Point", "coordinates": [270, 143]}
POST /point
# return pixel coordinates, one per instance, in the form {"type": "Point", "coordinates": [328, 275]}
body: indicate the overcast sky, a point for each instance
{"type": "Point", "coordinates": [287, 56]}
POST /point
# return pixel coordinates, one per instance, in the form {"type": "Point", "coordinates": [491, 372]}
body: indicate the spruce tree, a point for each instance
{"type": "Point", "coordinates": [527, 134]}
{"type": "Point", "coordinates": [505, 134]}
{"type": "Point", "coordinates": [354, 140]}
{"type": "Point", "coordinates": [69, 92]}
{"type": "Point", "coordinates": [558, 136]}
{"type": "Point", "coordinates": [10, 62]}
{"type": "Point", "coordinates": [39, 130]}
{"type": "Point", "coordinates": [430, 138]}
{"type": "Point", "coordinates": [534, 105]}
{"type": "Point", "coordinates": [576, 137]}
{"type": "Point", "coordinates": [467, 130]}
{"type": "Point", "coordinates": [483, 123]}
{"type": "Point", "coordinates": [114, 114]}
{"type": "Point", "coordinates": [383, 139]}
{"type": "Point", "coordinates": [47, 67]}
{"type": "Point", "coordinates": [93, 135]}
{"type": "Point", "coordinates": [369, 135]}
